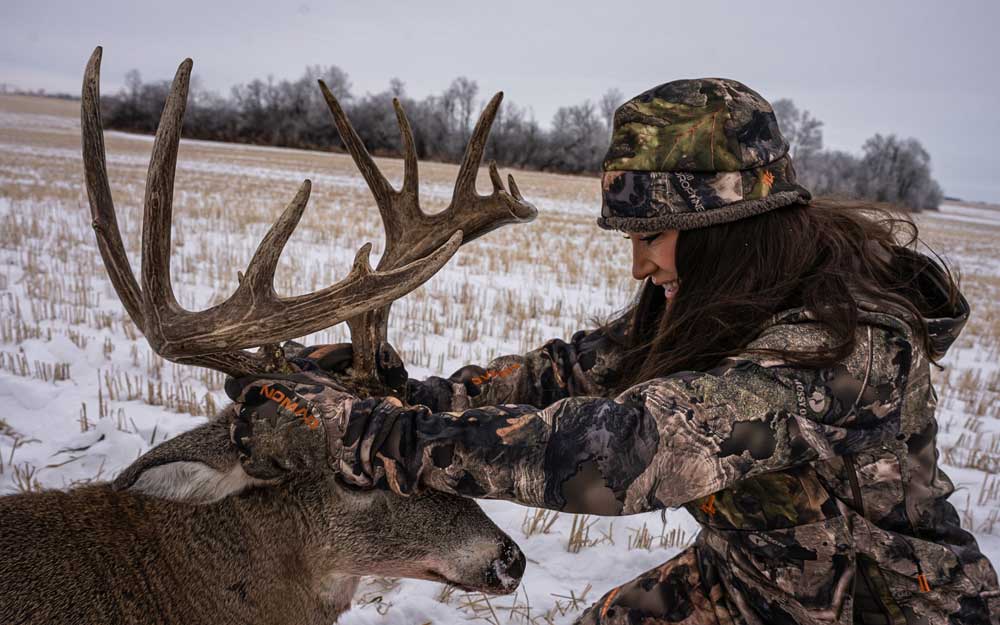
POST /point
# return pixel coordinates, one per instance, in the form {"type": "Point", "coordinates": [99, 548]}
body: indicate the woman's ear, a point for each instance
{"type": "Point", "coordinates": [199, 466]}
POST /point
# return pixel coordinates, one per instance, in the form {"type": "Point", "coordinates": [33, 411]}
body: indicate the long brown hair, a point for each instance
{"type": "Point", "coordinates": [735, 276]}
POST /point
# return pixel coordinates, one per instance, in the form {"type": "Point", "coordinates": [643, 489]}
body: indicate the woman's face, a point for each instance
{"type": "Point", "coordinates": [653, 257]}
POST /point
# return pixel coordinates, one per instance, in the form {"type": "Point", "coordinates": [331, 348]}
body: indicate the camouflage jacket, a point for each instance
{"type": "Point", "coordinates": [803, 480]}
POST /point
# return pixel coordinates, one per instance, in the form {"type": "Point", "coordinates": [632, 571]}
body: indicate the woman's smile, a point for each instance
{"type": "Point", "coordinates": [669, 287]}
{"type": "Point", "coordinates": [654, 257]}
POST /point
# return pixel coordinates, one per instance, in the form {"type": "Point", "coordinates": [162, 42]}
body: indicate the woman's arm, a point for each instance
{"type": "Point", "coordinates": [556, 370]}
{"type": "Point", "coordinates": [662, 443]}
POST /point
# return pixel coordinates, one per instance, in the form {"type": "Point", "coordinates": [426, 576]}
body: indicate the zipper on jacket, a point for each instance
{"type": "Point", "coordinates": [861, 567]}
{"type": "Point", "coordinates": [852, 477]}
{"type": "Point", "coordinates": [861, 563]}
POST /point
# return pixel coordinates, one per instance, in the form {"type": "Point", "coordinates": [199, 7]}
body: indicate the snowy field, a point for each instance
{"type": "Point", "coordinates": [83, 394]}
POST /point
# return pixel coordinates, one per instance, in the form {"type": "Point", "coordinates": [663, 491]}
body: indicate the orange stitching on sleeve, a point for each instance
{"type": "Point", "coordinates": [922, 583]}
{"type": "Point", "coordinates": [607, 602]}
{"type": "Point", "coordinates": [709, 506]}
{"type": "Point", "coordinates": [482, 379]}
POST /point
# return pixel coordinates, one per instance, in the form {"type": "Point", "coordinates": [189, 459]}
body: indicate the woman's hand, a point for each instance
{"type": "Point", "coordinates": [373, 445]}
{"type": "Point", "coordinates": [289, 424]}
{"type": "Point", "coordinates": [338, 358]}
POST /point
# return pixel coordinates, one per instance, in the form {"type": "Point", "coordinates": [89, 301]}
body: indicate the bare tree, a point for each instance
{"type": "Point", "coordinates": [832, 173]}
{"type": "Point", "coordinates": [609, 103]}
{"type": "Point", "coordinates": [464, 92]}
{"type": "Point", "coordinates": [578, 140]}
{"type": "Point", "coordinates": [517, 139]}
{"type": "Point", "coordinates": [898, 171]}
{"type": "Point", "coordinates": [334, 77]}
{"type": "Point", "coordinates": [803, 131]}
{"type": "Point", "coordinates": [397, 88]}
{"type": "Point", "coordinates": [133, 84]}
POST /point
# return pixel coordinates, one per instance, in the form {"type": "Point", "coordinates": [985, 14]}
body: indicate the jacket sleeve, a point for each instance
{"type": "Point", "coordinates": [659, 444]}
{"type": "Point", "coordinates": [556, 370]}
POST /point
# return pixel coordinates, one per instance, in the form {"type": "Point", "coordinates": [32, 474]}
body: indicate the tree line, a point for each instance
{"type": "Point", "coordinates": [889, 169]}
{"type": "Point", "coordinates": [292, 113]}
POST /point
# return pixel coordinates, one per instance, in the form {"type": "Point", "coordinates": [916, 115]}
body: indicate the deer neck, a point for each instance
{"type": "Point", "coordinates": [259, 550]}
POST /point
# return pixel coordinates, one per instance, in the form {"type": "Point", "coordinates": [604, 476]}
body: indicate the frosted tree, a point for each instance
{"type": "Point", "coordinates": [610, 101]}
{"type": "Point", "coordinates": [803, 132]}
{"type": "Point", "coordinates": [898, 171]}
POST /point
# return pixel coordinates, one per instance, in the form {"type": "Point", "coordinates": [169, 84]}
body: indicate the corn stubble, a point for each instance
{"type": "Point", "coordinates": [507, 292]}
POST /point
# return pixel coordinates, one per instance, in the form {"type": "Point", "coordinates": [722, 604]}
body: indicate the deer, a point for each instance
{"type": "Point", "coordinates": [184, 534]}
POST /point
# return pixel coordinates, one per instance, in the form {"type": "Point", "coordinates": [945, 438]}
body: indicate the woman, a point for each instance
{"type": "Point", "coordinates": [772, 378]}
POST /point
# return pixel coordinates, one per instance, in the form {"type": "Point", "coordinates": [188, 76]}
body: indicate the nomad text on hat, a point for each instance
{"type": "Point", "coordinates": [694, 153]}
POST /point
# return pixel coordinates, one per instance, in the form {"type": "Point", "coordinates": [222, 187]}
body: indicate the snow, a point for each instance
{"type": "Point", "coordinates": [495, 300]}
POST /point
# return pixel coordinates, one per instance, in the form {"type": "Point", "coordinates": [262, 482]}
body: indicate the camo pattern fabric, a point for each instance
{"type": "Point", "coordinates": [585, 365]}
{"type": "Point", "coordinates": [697, 125]}
{"type": "Point", "coordinates": [807, 483]}
{"type": "Point", "coordinates": [691, 147]}
{"type": "Point", "coordinates": [645, 194]}
{"type": "Point", "coordinates": [675, 592]}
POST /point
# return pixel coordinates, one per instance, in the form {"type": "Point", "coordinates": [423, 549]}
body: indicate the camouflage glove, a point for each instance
{"type": "Point", "coordinates": [378, 445]}
{"type": "Point", "coordinates": [452, 393]}
{"type": "Point", "coordinates": [436, 393]}
{"type": "Point", "coordinates": [288, 423]}
{"type": "Point", "coordinates": [338, 358]}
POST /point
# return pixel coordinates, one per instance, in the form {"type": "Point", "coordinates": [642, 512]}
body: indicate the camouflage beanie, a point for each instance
{"type": "Point", "coordinates": [695, 153]}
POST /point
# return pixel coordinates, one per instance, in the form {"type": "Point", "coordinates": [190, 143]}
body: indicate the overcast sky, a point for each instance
{"type": "Point", "coordinates": [916, 68]}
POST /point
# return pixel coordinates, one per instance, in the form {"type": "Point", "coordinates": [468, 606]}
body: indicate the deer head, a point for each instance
{"type": "Point", "coordinates": [344, 531]}
{"type": "Point", "coordinates": [201, 466]}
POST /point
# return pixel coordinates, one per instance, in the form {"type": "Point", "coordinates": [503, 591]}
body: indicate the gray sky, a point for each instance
{"type": "Point", "coordinates": [916, 68]}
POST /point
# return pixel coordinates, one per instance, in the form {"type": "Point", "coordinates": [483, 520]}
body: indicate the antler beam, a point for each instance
{"type": "Point", "coordinates": [254, 316]}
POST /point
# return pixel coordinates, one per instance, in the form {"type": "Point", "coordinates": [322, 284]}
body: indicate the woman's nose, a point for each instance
{"type": "Point", "coordinates": [641, 265]}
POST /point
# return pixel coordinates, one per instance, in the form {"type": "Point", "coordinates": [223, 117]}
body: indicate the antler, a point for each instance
{"type": "Point", "coordinates": [409, 232]}
{"type": "Point", "coordinates": [254, 316]}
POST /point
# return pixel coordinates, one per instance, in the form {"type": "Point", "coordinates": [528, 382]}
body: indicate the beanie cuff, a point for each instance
{"type": "Point", "coordinates": [702, 219]}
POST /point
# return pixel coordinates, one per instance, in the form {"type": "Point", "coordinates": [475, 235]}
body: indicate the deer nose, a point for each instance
{"type": "Point", "coordinates": [515, 559]}
{"type": "Point", "coordinates": [507, 569]}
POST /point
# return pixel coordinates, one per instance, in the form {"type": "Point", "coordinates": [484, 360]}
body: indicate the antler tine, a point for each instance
{"type": "Point", "coordinates": [158, 206]}
{"type": "Point", "coordinates": [478, 214]}
{"type": "Point", "coordinates": [465, 184]}
{"type": "Point", "coordinates": [495, 177]}
{"type": "Point", "coordinates": [102, 207]}
{"type": "Point", "coordinates": [513, 188]}
{"type": "Point", "coordinates": [402, 213]}
{"type": "Point", "coordinates": [379, 186]}
{"type": "Point", "coordinates": [468, 211]}
{"type": "Point", "coordinates": [410, 177]}
{"type": "Point", "coordinates": [259, 277]}
{"type": "Point", "coordinates": [411, 233]}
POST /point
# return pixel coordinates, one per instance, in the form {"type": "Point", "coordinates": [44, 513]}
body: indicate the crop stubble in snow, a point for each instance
{"type": "Point", "coordinates": [73, 368]}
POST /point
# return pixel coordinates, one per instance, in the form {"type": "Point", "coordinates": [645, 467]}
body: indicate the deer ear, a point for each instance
{"type": "Point", "coordinates": [199, 466]}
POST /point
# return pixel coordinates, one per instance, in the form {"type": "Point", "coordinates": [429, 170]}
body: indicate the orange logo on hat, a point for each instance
{"type": "Point", "coordinates": [767, 179]}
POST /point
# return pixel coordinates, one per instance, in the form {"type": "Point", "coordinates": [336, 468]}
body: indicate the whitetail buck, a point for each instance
{"type": "Point", "coordinates": [184, 535]}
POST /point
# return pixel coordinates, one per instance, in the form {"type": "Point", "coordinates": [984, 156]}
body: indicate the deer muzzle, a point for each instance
{"type": "Point", "coordinates": [495, 567]}
{"type": "Point", "coordinates": [506, 570]}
